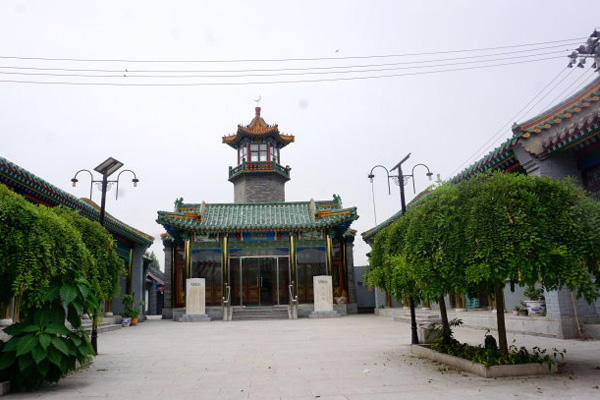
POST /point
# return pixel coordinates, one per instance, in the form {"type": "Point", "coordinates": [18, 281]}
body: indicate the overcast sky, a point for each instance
{"type": "Point", "coordinates": [171, 135]}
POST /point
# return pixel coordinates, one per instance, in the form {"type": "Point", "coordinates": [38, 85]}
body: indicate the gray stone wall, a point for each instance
{"type": "Point", "coordinates": [350, 272]}
{"type": "Point", "coordinates": [259, 188]}
{"type": "Point", "coordinates": [365, 298]}
{"type": "Point", "coordinates": [167, 311]}
{"type": "Point", "coordinates": [558, 166]}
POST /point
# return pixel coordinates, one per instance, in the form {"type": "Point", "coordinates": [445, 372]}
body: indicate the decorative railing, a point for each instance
{"type": "Point", "coordinates": [258, 166]}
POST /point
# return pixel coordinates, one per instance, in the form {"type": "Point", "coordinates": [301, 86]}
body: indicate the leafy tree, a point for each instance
{"type": "Point", "coordinates": [37, 248]}
{"type": "Point", "coordinates": [58, 265]}
{"type": "Point", "coordinates": [527, 229]}
{"type": "Point", "coordinates": [106, 267]}
{"type": "Point", "coordinates": [434, 246]}
{"type": "Point", "coordinates": [483, 232]}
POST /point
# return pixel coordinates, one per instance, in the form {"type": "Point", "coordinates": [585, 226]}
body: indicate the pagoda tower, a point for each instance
{"type": "Point", "coordinates": [259, 176]}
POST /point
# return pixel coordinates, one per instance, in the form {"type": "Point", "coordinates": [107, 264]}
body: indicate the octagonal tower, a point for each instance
{"type": "Point", "coordinates": [259, 176]}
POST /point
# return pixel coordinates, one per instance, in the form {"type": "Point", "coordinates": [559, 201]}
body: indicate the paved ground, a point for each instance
{"type": "Point", "coordinates": [354, 357]}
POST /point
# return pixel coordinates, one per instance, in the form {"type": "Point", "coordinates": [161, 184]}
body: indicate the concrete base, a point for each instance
{"type": "Point", "coordinates": [563, 328]}
{"type": "Point", "coordinates": [496, 371]}
{"type": "Point", "coordinates": [324, 314]}
{"type": "Point", "coordinates": [6, 322]}
{"type": "Point", "coordinates": [194, 318]}
{"type": "Point", "coordinates": [4, 388]}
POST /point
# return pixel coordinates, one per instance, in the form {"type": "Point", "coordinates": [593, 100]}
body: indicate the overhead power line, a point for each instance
{"type": "Point", "coordinates": [291, 59]}
{"type": "Point", "coordinates": [483, 148]}
{"type": "Point", "coordinates": [131, 74]}
{"type": "Point", "coordinates": [121, 70]}
{"type": "Point", "coordinates": [270, 82]}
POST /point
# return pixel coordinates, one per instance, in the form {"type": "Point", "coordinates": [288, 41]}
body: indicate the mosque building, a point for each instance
{"type": "Point", "coordinates": [259, 252]}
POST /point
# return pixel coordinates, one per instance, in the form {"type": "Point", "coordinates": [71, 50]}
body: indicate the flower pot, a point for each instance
{"type": "Point", "coordinates": [126, 322]}
{"type": "Point", "coordinates": [536, 308]}
{"type": "Point", "coordinates": [134, 321]}
{"type": "Point", "coordinates": [515, 312]}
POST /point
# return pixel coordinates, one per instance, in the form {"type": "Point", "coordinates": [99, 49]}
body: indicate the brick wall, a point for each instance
{"type": "Point", "coordinates": [259, 188]}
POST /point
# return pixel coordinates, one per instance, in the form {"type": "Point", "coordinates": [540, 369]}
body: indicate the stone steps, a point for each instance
{"type": "Point", "coordinates": [108, 324]}
{"type": "Point", "coordinates": [593, 330]}
{"type": "Point", "coordinates": [259, 313]}
{"type": "Point", "coordinates": [419, 317]}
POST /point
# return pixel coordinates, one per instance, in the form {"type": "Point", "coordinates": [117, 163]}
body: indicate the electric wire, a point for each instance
{"type": "Point", "coordinates": [291, 59]}
{"type": "Point", "coordinates": [129, 74]}
{"type": "Point", "coordinates": [546, 95]}
{"type": "Point", "coordinates": [485, 145]}
{"type": "Point", "coordinates": [274, 82]}
{"type": "Point", "coordinates": [121, 70]}
{"type": "Point", "coordinates": [577, 88]}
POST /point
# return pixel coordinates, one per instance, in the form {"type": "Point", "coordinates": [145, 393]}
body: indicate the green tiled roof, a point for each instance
{"type": "Point", "coordinates": [27, 183]}
{"type": "Point", "coordinates": [563, 111]}
{"type": "Point", "coordinates": [501, 157]}
{"type": "Point", "coordinates": [238, 217]}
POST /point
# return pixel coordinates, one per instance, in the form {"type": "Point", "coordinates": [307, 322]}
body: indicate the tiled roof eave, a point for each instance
{"type": "Point", "coordinates": [44, 190]}
{"type": "Point", "coordinates": [555, 114]}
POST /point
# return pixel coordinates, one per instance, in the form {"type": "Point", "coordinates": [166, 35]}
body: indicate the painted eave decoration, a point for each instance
{"type": "Point", "coordinates": [241, 217]}
{"type": "Point", "coordinates": [565, 126]}
{"type": "Point", "coordinates": [24, 181]}
{"type": "Point", "coordinates": [258, 128]}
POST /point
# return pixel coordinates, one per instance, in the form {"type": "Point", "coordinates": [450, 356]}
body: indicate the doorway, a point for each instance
{"type": "Point", "coordinates": [264, 281]}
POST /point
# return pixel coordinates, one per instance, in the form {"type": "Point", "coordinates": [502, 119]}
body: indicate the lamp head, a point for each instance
{"type": "Point", "coordinates": [74, 180]}
{"type": "Point", "coordinates": [135, 181]}
{"type": "Point", "coordinates": [371, 176]}
{"type": "Point", "coordinates": [430, 176]}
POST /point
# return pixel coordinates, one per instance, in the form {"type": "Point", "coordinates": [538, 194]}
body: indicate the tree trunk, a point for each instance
{"type": "Point", "coordinates": [444, 315]}
{"type": "Point", "coordinates": [502, 342]}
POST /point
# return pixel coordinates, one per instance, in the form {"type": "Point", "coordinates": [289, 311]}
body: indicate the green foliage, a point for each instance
{"type": "Point", "coordinates": [442, 335]}
{"type": "Point", "coordinates": [474, 235]}
{"type": "Point", "coordinates": [37, 248]}
{"type": "Point", "coordinates": [42, 347]}
{"type": "Point", "coordinates": [57, 265]}
{"type": "Point", "coordinates": [106, 267]}
{"type": "Point", "coordinates": [489, 354]}
{"type": "Point", "coordinates": [533, 293]}
{"type": "Point", "coordinates": [130, 310]}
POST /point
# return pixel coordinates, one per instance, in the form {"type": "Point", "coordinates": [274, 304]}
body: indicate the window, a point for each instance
{"type": "Point", "coordinates": [258, 152]}
{"type": "Point", "coordinates": [274, 154]}
{"type": "Point", "coordinates": [243, 154]}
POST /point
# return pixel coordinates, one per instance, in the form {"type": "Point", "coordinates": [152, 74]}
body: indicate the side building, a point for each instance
{"type": "Point", "coordinates": [562, 142]}
{"type": "Point", "coordinates": [130, 243]}
{"type": "Point", "coordinates": [259, 251]}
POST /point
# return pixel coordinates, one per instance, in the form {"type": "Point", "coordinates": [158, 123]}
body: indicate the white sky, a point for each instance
{"type": "Point", "coordinates": [171, 136]}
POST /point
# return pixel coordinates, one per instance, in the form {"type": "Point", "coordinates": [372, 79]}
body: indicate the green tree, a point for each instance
{"type": "Point", "coordinates": [490, 230]}
{"type": "Point", "coordinates": [527, 229]}
{"type": "Point", "coordinates": [37, 247]}
{"type": "Point", "coordinates": [434, 247]}
{"type": "Point", "coordinates": [57, 265]}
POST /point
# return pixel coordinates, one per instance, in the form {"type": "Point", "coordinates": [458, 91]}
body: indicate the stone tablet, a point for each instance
{"type": "Point", "coordinates": [323, 291]}
{"type": "Point", "coordinates": [195, 297]}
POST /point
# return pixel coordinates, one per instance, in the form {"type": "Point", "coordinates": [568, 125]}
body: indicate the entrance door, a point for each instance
{"type": "Point", "coordinates": [262, 282]}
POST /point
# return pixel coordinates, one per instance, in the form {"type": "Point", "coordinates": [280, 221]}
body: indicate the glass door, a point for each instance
{"type": "Point", "coordinates": [264, 280]}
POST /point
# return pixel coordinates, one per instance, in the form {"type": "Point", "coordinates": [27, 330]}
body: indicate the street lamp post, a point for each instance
{"type": "Point", "coordinates": [106, 169]}
{"type": "Point", "coordinates": [400, 181]}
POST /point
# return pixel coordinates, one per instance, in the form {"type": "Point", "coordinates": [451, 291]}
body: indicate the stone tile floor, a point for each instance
{"type": "Point", "coordinates": [351, 358]}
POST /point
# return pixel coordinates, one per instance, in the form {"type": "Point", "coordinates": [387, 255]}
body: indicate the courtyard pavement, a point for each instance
{"type": "Point", "coordinates": [354, 358]}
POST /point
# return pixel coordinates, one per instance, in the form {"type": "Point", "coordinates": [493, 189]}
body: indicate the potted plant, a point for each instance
{"type": "Point", "coordinates": [536, 305]}
{"type": "Point", "coordinates": [516, 310]}
{"type": "Point", "coordinates": [523, 309]}
{"type": "Point", "coordinates": [131, 312]}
